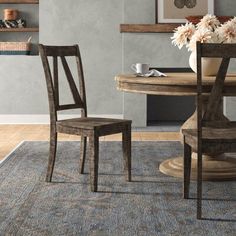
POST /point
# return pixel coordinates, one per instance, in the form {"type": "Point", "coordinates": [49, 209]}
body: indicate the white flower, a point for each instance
{"type": "Point", "coordinates": [233, 20]}
{"type": "Point", "coordinates": [208, 22]}
{"type": "Point", "coordinates": [203, 36]}
{"type": "Point", "coordinates": [227, 32]}
{"type": "Point", "coordinates": [208, 30]}
{"type": "Point", "coordinates": [183, 34]}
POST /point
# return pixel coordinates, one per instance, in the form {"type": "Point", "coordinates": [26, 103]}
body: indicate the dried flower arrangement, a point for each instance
{"type": "Point", "coordinates": [208, 30]}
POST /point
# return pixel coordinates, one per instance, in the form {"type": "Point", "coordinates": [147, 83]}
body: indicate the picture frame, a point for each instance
{"type": "Point", "coordinates": [175, 11]}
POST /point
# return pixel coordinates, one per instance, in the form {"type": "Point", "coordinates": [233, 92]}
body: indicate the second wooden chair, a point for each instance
{"type": "Point", "coordinates": [212, 133]}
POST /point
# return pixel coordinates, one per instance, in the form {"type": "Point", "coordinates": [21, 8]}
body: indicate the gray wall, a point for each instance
{"type": "Point", "coordinates": [105, 52]}
{"type": "Point", "coordinates": [95, 27]}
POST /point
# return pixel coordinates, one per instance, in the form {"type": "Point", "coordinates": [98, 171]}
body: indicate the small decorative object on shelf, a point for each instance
{"type": "Point", "coordinates": [11, 19]}
{"type": "Point", "coordinates": [15, 48]}
{"type": "Point", "coordinates": [20, 23]}
{"type": "Point", "coordinates": [10, 14]}
{"type": "Point", "coordinates": [208, 30]}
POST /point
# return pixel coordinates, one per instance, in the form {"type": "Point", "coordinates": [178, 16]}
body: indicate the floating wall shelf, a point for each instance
{"type": "Point", "coordinates": [21, 34]}
{"type": "Point", "coordinates": [148, 28]}
{"type": "Point", "coordinates": [19, 29]}
{"type": "Point", "coordinates": [19, 1]}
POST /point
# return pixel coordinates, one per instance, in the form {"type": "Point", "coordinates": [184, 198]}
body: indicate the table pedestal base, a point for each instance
{"type": "Point", "coordinates": [215, 166]}
{"type": "Point", "coordinates": [219, 168]}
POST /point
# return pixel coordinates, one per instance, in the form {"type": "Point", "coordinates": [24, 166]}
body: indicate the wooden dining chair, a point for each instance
{"type": "Point", "coordinates": [86, 127]}
{"type": "Point", "coordinates": [211, 135]}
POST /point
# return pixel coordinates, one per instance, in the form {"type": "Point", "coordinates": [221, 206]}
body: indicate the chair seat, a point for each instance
{"type": "Point", "coordinates": [213, 134]}
{"type": "Point", "coordinates": [103, 125]}
{"type": "Point", "coordinates": [213, 139]}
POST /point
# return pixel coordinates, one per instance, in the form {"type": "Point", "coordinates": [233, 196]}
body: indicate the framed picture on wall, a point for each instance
{"type": "Point", "coordinates": [175, 11]}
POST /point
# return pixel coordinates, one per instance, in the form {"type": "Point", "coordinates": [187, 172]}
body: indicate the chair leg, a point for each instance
{"type": "Point", "coordinates": [52, 155]}
{"type": "Point", "coordinates": [199, 186]}
{"type": "Point", "coordinates": [187, 170]}
{"type": "Point", "coordinates": [126, 144]}
{"type": "Point", "coordinates": [94, 156]}
{"type": "Point", "coordinates": [83, 145]}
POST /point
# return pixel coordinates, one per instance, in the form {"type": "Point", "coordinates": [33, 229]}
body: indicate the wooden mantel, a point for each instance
{"type": "Point", "coordinates": [148, 28]}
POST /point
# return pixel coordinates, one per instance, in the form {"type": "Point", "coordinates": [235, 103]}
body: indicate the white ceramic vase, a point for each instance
{"type": "Point", "coordinates": [210, 66]}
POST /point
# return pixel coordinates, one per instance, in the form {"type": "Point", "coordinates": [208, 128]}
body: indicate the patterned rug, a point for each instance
{"type": "Point", "coordinates": [150, 205]}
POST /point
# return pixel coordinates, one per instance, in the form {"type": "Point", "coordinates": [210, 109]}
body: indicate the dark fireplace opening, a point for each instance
{"type": "Point", "coordinates": [169, 112]}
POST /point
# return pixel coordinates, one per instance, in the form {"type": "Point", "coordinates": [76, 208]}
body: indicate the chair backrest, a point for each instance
{"type": "Point", "coordinates": [52, 81]}
{"type": "Point", "coordinates": [212, 50]}
{"type": "Point", "coordinates": [211, 114]}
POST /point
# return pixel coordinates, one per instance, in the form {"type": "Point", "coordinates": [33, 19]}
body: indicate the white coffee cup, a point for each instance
{"type": "Point", "coordinates": [140, 68]}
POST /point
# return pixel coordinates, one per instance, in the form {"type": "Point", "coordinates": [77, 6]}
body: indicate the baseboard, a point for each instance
{"type": "Point", "coordinates": [44, 119]}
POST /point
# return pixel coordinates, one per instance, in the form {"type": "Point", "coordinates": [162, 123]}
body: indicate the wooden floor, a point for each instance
{"type": "Point", "coordinates": [12, 135]}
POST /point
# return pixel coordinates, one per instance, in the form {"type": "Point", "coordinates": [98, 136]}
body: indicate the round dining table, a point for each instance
{"type": "Point", "coordinates": [216, 166]}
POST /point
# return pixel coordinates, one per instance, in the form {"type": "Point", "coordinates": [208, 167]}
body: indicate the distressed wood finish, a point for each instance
{"type": "Point", "coordinates": [19, 1]}
{"type": "Point", "coordinates": [148, 28]}
{"type": "Point", "coordinates": [86, 127]}
{"type": "Point", "coordinates": [175, 84]}
{"type": "Point", "coordinates": [94, 149]}
{"type": "Point", "coordinates": [218, 50]}
{"type": "Point", "coordinates": [32, 29]}
{"type": "Point", "coordinates": [126, 143]}
{"type": "Point", "coordinates": [82, 153]}
{"type": "Point", "coordinates": [187, 170]}
{"type": "Point", "coordinates": [211, 134]}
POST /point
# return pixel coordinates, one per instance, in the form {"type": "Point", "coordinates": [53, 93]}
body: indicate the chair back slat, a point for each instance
{"type": "Point", "coordinates": [55, 78]}
{"type": "Point", "coordinates": [218, 50]}
{"type": "Point", "coordinates": [215, 98]}
{"type": "Point", "coordinates": [53, 81]}
{"type": "Point", "coordinates": [70, 79]}
{"type": "Point", "coordinates": [80, 73]}
{"type": "Point", "coordinates": [212, 117]}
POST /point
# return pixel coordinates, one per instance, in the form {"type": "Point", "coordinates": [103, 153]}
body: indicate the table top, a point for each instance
{"type": "Point", "coordinates": [175, 84]}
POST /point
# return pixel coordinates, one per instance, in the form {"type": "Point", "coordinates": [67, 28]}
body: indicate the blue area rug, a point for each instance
{"type": "Point", "coordinates": [150, 205]}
